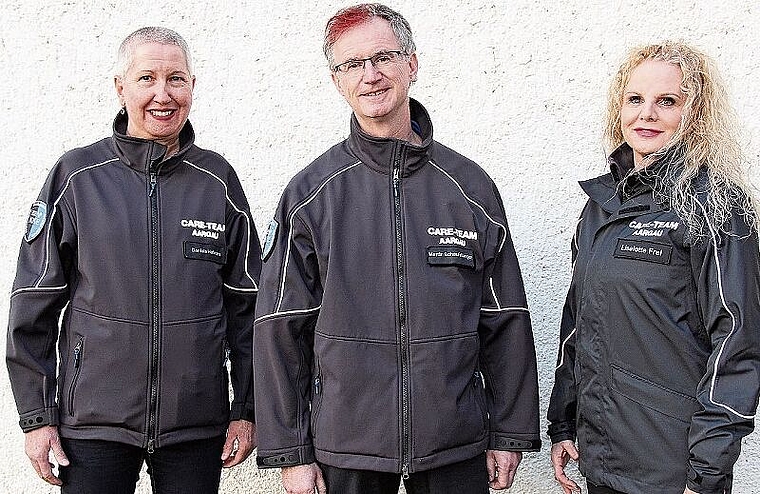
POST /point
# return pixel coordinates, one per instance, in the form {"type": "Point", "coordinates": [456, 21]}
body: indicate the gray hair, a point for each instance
{"type": "Point", "coordinates": [357, 15]}
{"type": "Point", "coordinates": [150, 34]}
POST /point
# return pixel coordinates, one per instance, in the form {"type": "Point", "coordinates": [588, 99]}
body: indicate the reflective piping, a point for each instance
{"type": "Point", "coordinates": [461, 190]}
{"type": "Point", "coordinates": [564, 344]}
{"type": "Point", "coordinates": [493, 292]}
{"type": "Point", "coordinates": [505, 309]}
{"type": "Point", "coordinates": [39, 289]}
{"type": "Point", "coordinates": [291, 216]}
{"type": "Point", "coordinates": [55, 208]}
{"type": "Point", "coordinates": [240, 211]}
{"type": "Point", "coordinates": [733, 323]}
{"type": "Point", "coordinates": [240, 289]}
{"type": "Point", "coordinates": [296, 312]}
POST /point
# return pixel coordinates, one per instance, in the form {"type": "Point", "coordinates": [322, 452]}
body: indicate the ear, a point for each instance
{"type": "Point", "coordinates": [119, 89]}
{"type": "Point", "coordinates": [192, 83]}
{"type": "Point", "coordinates": [413, 66]}
{"type": "Point", "coordinates": [336, 81]}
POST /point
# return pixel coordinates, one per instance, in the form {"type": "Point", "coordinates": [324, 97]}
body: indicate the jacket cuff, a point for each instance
{"type": "Point", "coordinates": [705, 483]}
{"type": "Point", "coordinates": [301, 455]}
{"type": "Point", "coordinates": [562, 431]}
{"type": "Point", "coordinates": [242, 411]}
{"type": "Point", "coordinates": [38, 418]}
{"type": "Point", "coordinates": [514, 442]}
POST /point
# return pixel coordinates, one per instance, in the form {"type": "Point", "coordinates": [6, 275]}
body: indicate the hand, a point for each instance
{"type": "Point", "coordinates": [38, 444]}
{"type": "Point", "coordinates": [241, 441]}
{"type": "Point", "coordinates": [562, 453]}
{"type": "Point", "coordinates": [303, 479]}
{"type": "Point", "coordinates": [689, 491]}
{"type": "Point", "coordinates": [502, 466]}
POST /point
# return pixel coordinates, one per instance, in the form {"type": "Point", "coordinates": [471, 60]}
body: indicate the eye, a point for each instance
{"type": "Point", "coordinates": [383, 58]}
{"type": "Point", "coordinates": [667, 101]}
{"type": "Point", "coordinates": [353, 65]}
{"type": "Point", "coordinates": [634, 99]}
{"type": "Point", "coordinates": [145, 78]}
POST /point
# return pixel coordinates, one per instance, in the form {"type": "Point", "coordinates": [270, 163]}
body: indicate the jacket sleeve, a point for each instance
{"type": "Point", "coordinates": [241, 279]}
{"type": "Point", "coordinates": [286, 314]}
{"type": "Point", "coordinates": [507, 351]}
{"type": "Point", "coordinates": [727, 277]}
{"type": "Point", "coordinates": [40, 291]}
{"type": "Point", "coordinates": [562, 404]}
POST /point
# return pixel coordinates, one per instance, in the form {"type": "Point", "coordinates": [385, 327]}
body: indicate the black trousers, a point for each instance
{"type": "Point", "coordinates": [600, 489]}
{"type": "Point", "coordinates": [99, 467]}
{"type": "Point", "coordinates": [466, 477]}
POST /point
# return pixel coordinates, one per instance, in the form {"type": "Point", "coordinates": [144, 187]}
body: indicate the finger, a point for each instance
{"type": "Point", "coordinates": [58, 453]}
{"type": "Point", "coordinates": [491, 467]}
{"type": "Point", "coordinates": [321, 485]}
{"type": "Point", "coordinates": [572, 451]}
{"type": "Point", "coordinates": [229, 447]}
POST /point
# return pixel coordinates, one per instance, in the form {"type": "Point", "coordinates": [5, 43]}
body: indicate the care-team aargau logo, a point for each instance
{"type": "Point", "coordinates": [207, 229]}
{"type": "Point", "coordinates": [652, 228]}
{"type": "Point", "coordinates": [451, 236]}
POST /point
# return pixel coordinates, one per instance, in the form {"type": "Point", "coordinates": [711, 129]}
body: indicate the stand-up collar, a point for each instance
{"type": "Point", "coordinates": [379, 153]}
{"type": "Point", "coordinates": [144, 154]}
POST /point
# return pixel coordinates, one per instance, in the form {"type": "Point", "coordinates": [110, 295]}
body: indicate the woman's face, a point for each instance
{"type": "Point", "coordinates": [157, 92]}
{"type": "Point", "coordinates": [652, 107]}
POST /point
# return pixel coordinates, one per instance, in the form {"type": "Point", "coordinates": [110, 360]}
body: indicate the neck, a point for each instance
{"type": "Point", "coordinates": [402, 131]}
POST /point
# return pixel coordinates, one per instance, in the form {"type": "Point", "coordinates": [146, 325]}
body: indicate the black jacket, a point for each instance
{"type": "Point", "coordinates": [157, 265]}
{"type": "Point", "coordinates": [391, 292]}
{"type": "Point", "coordinates": [659, 346]}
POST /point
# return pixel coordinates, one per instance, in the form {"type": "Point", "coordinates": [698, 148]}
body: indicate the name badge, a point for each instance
{"type": "Point", "coordinates": [643, 251]}
{"type": "Point", "coordinates": [451, 256]}
{"type": "Point", "coordinates": [205, 252]}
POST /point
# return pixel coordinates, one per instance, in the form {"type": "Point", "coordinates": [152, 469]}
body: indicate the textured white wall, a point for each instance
{"type": "Point", "coordinates": [517, 86]}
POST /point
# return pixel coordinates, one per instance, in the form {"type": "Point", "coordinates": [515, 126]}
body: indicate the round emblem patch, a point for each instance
{"type": "Point", "coordinates": [36, 223]}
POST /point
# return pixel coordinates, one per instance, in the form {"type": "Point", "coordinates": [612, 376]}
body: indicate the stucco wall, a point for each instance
{"type": "Point", "coordinates": [516, 85]}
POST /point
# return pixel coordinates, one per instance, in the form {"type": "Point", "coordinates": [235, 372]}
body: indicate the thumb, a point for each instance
{"type": "Point", "coordinates": [321, 485]}
{"type": "Point", "coordinates": [60, 456]}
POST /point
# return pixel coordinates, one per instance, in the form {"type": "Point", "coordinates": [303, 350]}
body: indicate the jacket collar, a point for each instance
{"type": "Point", "coordinates": [615, 191]}
{"type": "Point", "coordinates": [144, 154]}
{"type": "Point", "coordinates": [379, 153]}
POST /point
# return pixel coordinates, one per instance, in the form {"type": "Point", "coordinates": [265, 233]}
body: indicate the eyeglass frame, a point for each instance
{"type": "Point", "coordinates": [396, 53]}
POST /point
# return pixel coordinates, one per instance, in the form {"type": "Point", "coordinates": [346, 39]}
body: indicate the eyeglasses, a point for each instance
{"type": "Point", "coordinates": [380, 61]}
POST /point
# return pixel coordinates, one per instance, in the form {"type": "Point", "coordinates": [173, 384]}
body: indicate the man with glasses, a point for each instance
{"type": "Point", "coordinates": [392, 337]}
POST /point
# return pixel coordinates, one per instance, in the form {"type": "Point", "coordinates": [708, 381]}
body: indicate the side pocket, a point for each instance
{"type": "Point", "coordinates": [477, 383]}
{"type": "Point", "coordinates": [654, 396]}
{"type": "Point", "coordinates": [316, 399]}
{"type": "Point", "coordinates": [77, 364]}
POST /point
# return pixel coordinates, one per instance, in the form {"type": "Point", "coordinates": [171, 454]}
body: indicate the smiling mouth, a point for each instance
{"type": "Point", "coordinates": [161, 113]}
{"type": "Point", "coordinates": [648, 132]}
{"type": "Point", "coordinates": [375, 93]}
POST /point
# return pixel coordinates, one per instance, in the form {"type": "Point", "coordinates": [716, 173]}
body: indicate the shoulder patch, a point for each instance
{"type": "Point", "coordinates": [270, 239]}
{"type": "Point", "coordinates": [36, 222]}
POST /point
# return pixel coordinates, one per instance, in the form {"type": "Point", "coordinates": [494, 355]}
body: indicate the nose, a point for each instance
{"type": "Point", "coordinates": [648, 111]}
{"type": "Point", "coordinates": [370, 74]}
{"type": "Point", "coordinates": [162, 95]}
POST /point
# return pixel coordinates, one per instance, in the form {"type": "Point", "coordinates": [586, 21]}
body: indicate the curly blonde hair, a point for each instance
{"type": "Point", "coordinates": [705, 140]}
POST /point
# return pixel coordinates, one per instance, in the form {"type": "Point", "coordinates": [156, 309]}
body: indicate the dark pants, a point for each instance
{"type": "Point", "coordinates": [466, 477]}
{"type": "Point", "coordinates": [600, 489]}
{"type": "Point", "coordinates": [99, 467]}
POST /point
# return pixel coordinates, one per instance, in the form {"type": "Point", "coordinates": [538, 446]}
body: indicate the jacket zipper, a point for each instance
{"type": "Point", "coordinates": [403, 332]}
{"type": "Point", "coordinates": [155, 312]}
{"type": "Point", "coordinates": [77, 368]}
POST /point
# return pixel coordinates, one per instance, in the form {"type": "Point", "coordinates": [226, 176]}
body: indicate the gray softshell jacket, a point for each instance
{"type": "Point", "coordinates": [156, 263]}
{"type": "Point", "coordinates": [390, 294]}
{"type": "Point", "coordinates": [659, 356]}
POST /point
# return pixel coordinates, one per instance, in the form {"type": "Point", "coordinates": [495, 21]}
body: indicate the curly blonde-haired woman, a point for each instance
{"type": "Point", "coordinates": [659, 357]}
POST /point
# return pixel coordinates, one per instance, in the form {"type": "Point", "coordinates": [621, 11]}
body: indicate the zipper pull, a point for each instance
{"type": "Point", "coordinates": [152, 184]}
{"type": "Point", "coordinates": [317, 385]}
{"type": "Point", "coordinates": [77, 354]}
{"type": "Point", "coordinates": [405, 472]}
{"type": "Point", "coordinates": [151, 450]}
{"type": "Point", "coordinates": [395, 181]}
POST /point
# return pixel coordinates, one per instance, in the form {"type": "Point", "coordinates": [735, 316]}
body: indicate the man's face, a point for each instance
{"type": "Point", "coordinates": [377, 95]}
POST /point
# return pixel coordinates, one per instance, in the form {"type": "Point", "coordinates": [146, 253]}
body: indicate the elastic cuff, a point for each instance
{"type": "Point", "coordinates": [514, 442]}
{"type": "Point", "coordinates": [242, 411]}
{"type": "Point", "coordinates": [562, 431]}
{"type": "Point", "coordinates": [302, 455]}
{"type": "Point", "coordinates": [38, 418]}
{"type": "Point", "coordinates": [705, 483]}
